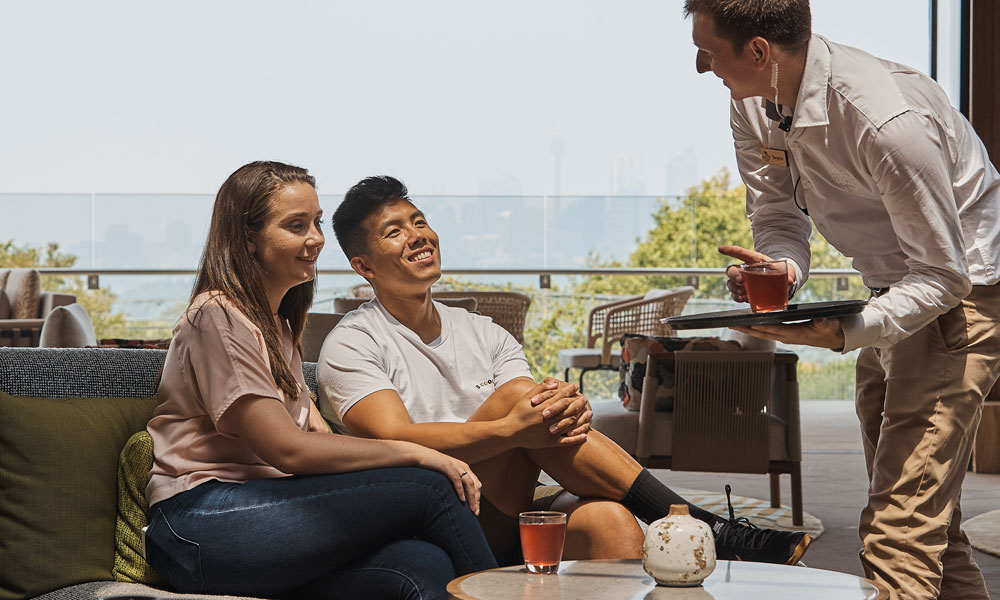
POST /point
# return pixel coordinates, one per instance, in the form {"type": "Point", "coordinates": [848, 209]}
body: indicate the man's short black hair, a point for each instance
{"type": "Point", "coordinates": [784, 22]}
{"type": "Point", "coordinates": [366, 198]}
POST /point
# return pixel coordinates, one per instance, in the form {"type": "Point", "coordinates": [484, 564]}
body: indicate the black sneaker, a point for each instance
{"type": "Point", "coordinates": [739, 539]}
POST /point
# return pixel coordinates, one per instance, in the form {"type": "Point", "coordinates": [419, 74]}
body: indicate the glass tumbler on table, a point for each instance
{"type": "Point", "coordinates": [543, 533]}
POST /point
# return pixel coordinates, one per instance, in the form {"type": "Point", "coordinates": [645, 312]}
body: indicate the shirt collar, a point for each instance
{"type": "Point", "coordinates": [811, 108]}
{"type": "Point", "coordinates": [775, 112]}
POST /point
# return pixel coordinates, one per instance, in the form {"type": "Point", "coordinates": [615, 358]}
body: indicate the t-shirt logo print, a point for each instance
{"type": "Point", "coordinates": [484, 384]}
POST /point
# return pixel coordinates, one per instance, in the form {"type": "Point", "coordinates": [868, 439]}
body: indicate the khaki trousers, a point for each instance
{"type": "Point", "coordinates": [920, 402]}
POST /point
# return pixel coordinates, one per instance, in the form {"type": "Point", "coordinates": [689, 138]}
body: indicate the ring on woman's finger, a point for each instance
{"type": "Point", "coordinates": [464, 473]}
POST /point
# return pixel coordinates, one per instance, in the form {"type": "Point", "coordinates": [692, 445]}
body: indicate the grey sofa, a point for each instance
{"type": "Point", "coordinates": [57, 542]}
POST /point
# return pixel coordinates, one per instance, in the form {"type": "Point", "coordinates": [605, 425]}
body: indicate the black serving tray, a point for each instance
{"type": "Point", "coordinates": [745, 317]}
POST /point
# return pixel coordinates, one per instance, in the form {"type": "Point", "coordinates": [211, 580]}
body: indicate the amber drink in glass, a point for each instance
{"type": "Point", "coordinates": [766, 284]}
{"type": "Point", "coordinates": [543, 533]}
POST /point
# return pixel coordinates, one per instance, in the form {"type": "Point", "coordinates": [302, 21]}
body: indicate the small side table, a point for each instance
{"type": "Point", "coordinates": [626, 580]}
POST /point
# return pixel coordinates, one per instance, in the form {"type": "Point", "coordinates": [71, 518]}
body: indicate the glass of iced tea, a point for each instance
{"type": "Point", "coordinates": [543, 533]}
{"type": "Point", "coordinates": [766, 284]}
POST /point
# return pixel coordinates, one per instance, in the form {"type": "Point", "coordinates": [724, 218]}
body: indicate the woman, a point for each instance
{"type": "Point", "coordinates": [249, 492]}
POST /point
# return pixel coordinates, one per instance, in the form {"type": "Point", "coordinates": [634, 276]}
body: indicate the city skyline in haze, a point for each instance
{"type": "Point", "coordinates": [455, 98]}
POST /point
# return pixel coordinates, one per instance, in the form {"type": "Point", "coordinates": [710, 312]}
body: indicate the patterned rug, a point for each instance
{"type": "Point", "coordinates": [758, 511]}
{"type": "Point", "coordinates": [984, 532]}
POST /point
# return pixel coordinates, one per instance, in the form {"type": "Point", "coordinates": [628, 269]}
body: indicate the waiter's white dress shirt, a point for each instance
{"type": "Point", "coordinates": [891, 174]}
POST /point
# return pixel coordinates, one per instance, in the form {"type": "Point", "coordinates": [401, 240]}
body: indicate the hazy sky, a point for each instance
{"type": "Point", "coordinates": [453, 96]}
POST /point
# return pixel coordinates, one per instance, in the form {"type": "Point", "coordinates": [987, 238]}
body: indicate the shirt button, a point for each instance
{"type": "Point", "coordinates": [807, 185]}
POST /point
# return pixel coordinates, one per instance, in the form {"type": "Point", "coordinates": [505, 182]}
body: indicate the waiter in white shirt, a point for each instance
{"type": "Point", "coordinates": [894, 177]}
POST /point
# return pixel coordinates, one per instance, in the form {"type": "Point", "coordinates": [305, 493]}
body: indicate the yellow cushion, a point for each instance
{"type": "Point", "coordinates": [133, 511]}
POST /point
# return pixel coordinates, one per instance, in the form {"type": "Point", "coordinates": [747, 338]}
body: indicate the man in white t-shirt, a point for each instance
{"type": "Point", "coordinates": [405, 367]}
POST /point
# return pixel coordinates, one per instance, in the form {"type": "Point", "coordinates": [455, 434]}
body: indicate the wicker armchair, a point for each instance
{"type": "Point", "coordinates": [367, 292]}
{"type": "Point", "coordinates": [608, 322]}
{"type": "Point", "coordinates": [734, 411]}
{"type": "Point", "coordinates": [318, 326]}
{"type": "Point", "coordinates": [20, 287]}
{"type": "Point", "coordinates": [507, 309]}
{"type": "Point", "coordinates": [346, 305]}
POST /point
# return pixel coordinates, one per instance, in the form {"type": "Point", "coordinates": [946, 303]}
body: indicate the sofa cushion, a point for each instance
{"type": "Point", "coordinates": [58, 474]}
{"type": "Point", "coordinates": [82, 372]}
{"type": "Point", "coordinates": [133, 511]}
{"type": "Point", "coordinates": [67, 327]}
{"type": "Point", "coordinates": [24, 288]}
{"type": "Point", "coordinates": [635, 354]}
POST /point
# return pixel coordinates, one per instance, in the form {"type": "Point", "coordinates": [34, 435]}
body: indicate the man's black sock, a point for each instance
{"type": "Point", "coordinates": [650, 500]}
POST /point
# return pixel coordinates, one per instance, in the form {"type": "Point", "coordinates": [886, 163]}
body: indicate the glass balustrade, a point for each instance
{"type": "Point", "coordinates": [569, 253]}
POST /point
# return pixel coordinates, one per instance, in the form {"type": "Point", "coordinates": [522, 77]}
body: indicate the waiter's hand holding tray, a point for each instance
{"type": "Point", "coordinates": [746, 318]}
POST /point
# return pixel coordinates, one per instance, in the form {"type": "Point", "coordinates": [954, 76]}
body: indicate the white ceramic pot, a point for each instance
{"type": "Point", "coordinates": [679, 550]}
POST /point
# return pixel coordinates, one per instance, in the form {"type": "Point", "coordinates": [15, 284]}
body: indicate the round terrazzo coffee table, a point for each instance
{"type": "Point", "coordinates": [625, 580]}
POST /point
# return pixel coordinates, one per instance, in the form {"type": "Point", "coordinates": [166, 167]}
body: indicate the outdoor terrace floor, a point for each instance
{"type": "Point", "coordinates": [834, 488]}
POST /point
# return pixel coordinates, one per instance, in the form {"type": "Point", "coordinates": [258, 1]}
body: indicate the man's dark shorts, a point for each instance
{"type": "Point", "coordinates": [502, 531]}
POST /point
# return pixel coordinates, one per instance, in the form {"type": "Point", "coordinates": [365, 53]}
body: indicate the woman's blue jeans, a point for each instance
{"type": "Point", "coordinates": [381, 533]}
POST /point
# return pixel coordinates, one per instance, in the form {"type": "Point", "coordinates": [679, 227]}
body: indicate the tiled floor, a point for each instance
{"type": "Point", "coordinates": [834, 488]}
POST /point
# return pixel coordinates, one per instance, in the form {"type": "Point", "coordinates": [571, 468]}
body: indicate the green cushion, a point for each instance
{"type": "Point", "coordinates": [133, 511]}
{"type": "Point", "coordinates": [58, 488]}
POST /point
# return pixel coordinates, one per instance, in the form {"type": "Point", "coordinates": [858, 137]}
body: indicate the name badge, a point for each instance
{"type": "Point", "coordinates": [774, 157]}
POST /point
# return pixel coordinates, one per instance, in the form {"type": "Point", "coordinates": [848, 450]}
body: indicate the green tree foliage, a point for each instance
{"type": "Point", "coordinates": [686, 232]}
{"type": "Point", "coordinates": [554, 324]}
{"type": "Point", "coordinates": [825, 256]}
{"type": "Point", "coordinates": [827, 381]}
{"type": "Point", "coordinates": [97, 302]}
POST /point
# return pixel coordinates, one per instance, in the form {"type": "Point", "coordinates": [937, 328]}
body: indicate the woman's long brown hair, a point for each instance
{"type": "Point", "coordinates": [241, 208]}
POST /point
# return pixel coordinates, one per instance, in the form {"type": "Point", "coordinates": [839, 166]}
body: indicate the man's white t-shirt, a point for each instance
{"type": "Point", "coordinates": [443, 381]}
